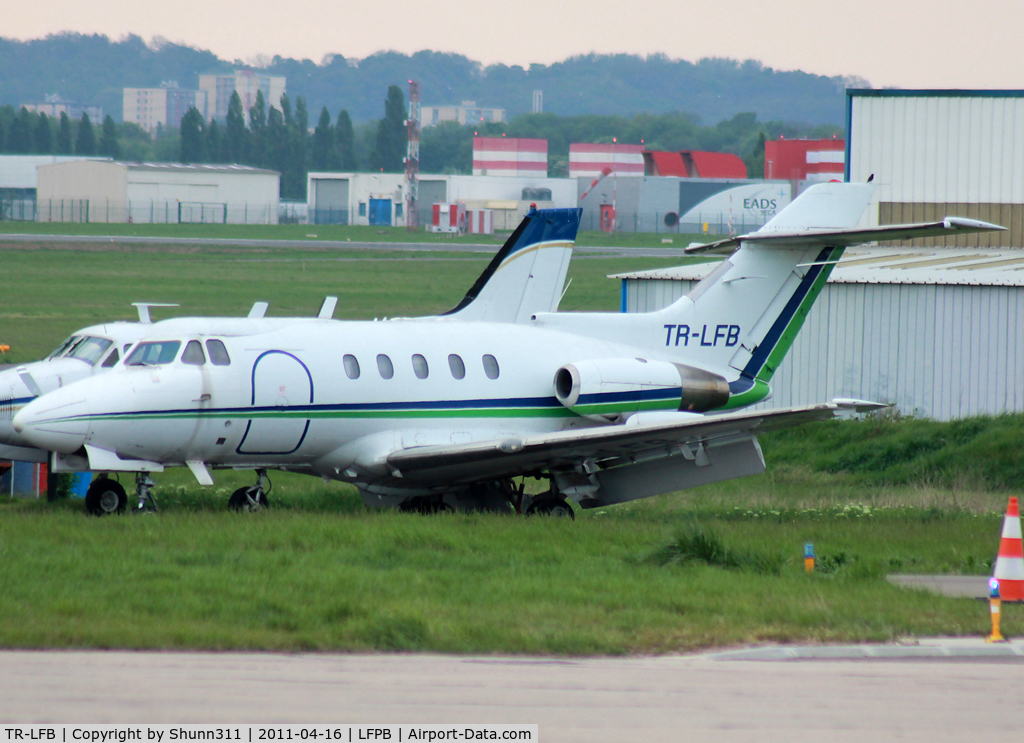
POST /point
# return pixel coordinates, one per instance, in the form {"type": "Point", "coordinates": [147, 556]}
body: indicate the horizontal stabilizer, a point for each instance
{"type": "Point", "coordinates": [845, 238]}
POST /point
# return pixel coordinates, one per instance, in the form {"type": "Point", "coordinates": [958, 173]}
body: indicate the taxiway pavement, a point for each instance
{"type": "Point", "coordinates": [953, 690]}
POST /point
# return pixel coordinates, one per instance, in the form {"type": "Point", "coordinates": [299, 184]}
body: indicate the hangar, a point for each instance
{"type": "Point", "coordinates": [379, 198]}
{"type": "Point", "coordinates": [113, 191]}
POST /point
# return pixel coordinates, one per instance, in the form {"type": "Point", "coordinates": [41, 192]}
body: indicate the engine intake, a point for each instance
{"type": "Point", "coordinates": [611, 389]}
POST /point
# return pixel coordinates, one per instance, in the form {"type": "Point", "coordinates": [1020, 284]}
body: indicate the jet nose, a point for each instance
{"type": "Point", "coordinates": [56, 422]}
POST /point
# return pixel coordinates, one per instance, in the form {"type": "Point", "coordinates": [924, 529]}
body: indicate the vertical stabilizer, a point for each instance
{"type": "Point", "coordinates": [527, 275]}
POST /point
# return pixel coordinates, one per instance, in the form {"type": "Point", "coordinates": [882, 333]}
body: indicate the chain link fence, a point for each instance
{"type": "Point", "coordinates": [716, 223]}
{"type": "Point", "coordinates": [142, 212]}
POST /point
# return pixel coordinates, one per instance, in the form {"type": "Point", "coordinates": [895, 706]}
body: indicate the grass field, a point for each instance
{"type": "Point", "coordinates": [53, 290]}
{"type": "Point", "coordinates": [319, 571]}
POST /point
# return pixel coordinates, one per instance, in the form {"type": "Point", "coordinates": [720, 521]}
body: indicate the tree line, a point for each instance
{"type": "Point", "coordinates": [27, 132]}
{"type": "Point", "coordinates": [279, 137]}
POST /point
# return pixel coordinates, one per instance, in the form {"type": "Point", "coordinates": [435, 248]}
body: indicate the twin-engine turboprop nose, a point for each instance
{"type": "Point", "coordinates": [56, 422]}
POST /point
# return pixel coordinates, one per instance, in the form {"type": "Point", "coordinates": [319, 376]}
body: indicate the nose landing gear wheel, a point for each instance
{"type": "Point", "coordinates": [105, 497]}
{"type": "Point", "coordinates": [552, 507]}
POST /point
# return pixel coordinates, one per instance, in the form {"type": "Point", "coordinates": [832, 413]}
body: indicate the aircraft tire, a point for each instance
{"type": "Point", "coordinates": [239, 501]}
{"type": "Point", "coordinates": [105, 497]}
{"type": "Point", "coordinates": [555, 507]}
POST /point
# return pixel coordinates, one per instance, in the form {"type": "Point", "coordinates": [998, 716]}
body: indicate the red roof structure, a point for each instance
{"type": "Point", "coordinates": [694, 164]}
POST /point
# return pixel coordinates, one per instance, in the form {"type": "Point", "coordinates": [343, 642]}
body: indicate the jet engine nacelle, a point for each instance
{"type": "Point", "coordinates": [611, 389]}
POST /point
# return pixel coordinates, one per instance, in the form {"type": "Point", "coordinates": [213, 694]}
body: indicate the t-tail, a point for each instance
{"type": "Point", "coordinates": [528, 274]}
{"type": "Point", "coordinates": [742, 319]}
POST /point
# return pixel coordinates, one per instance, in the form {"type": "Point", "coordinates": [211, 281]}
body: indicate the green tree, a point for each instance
{"type": "Point", "coordinates": [258, 133]}
{"type": "Point", "coordinates": [276, 143]}
{"type": "Point", "coordinates": [85, 143]}
{"type": "Point", "coordinates": [214, 143]}
{"type": "Point", "coordinates": [19, 141]}
{"type": "Point", "coordinates": [345, 141]}
{"type": "Point", "coordinates": [324, 153]}
{"type": "Point", "coordinates": [392, 137]}
{"type": "Point", "coordinates": [3, 136]}
{"type": "Point", "coordinates": [447, 148]}
{"type": "Point", "coordinates": [191, 147]}
{"type": "Point", "coordinates": [294, 178]}
{"type": "Point", "coordinates": [236, 135]}
{"type": "Point", "coordinates": [44, 135]}
{"type": "Point", "coordinates": [109, 145]}
{"type": "Point", "coordinates": [64, 138]}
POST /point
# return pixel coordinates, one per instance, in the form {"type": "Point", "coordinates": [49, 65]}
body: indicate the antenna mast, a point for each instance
{"type": "Point", "coordinates": [412, 158]}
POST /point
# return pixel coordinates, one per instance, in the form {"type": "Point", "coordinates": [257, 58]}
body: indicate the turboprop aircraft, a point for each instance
{"type": "Point", "coordinates": [444, 412]}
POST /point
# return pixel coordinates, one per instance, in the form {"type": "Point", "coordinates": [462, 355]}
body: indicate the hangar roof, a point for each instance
{"type": "Point", "coordinates": [195, 167]}
{"type": "Point", "coordinates": [974, 267]}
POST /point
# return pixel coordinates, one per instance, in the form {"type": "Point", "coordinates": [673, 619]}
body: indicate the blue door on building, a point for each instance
{"type": "Point", "coordinates": [380, 211]}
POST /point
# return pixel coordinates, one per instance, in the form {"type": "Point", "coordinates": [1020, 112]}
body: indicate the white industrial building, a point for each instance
{"type": "Point", "coordinates": [112, 191]}
{"type": "Point", "coordinates": [379, 198]}
{"type": "Point", "coordinates": [19, 179]}
{"type": "Point", "coordinates": [937, 332]}
{"type": "Point", "coordinates": [934, 326]}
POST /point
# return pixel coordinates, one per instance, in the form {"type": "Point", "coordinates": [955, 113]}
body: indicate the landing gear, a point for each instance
{"type": "Point", "coordinates": [105, 497]}
{"type": "Point", "coordinates": [549, 505]}
{"type": "Point", "coordinates": [425, 505]}
{"type": "Point", "coordinates": [144, 489]}
{"type": "Point", "coordinates": [252, 498]}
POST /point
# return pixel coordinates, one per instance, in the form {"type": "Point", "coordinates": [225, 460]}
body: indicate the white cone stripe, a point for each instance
{"type": "Point", "coordinates": [1009, 568]}
{"type": "Point", "coordinates": [1011, 528]}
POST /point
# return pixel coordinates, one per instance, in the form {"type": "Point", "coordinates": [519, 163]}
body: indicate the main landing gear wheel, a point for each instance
{"type": "Point", "coordinates": [552, 507]}
{"type": "Point", "coordinates": [425, 505]}
{"type": "Point", "coordinates": [248, 499]}
{"type": "Point", "coordinates": [105, 497]}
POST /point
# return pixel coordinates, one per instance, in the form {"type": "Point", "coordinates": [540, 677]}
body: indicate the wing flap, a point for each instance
{"type": "Point", "coordinates": [606, 446]}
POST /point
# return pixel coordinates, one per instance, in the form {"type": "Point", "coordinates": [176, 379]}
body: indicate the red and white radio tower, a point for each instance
{"type": "Point", "coordinates": [412, 157]}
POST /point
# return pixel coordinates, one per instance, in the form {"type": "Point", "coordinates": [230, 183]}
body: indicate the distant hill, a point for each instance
{"type": "Point", "coordinates": [94, 69]}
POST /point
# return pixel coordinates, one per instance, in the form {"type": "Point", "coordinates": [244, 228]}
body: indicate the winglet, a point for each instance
{"type": "Point", "coordinates": [327, 308]}
{"type": "Point", "coordinates": [859, 406]}
{"type": "Point", "coordinates": [259, 309]}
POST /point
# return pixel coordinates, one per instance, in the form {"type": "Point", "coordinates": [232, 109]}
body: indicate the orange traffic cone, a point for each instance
{"type": "Point", "coordinates": [1010, 563]}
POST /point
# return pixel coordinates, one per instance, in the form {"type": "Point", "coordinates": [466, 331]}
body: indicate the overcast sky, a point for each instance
{"type": "Point", "coordinates": [903, 43]}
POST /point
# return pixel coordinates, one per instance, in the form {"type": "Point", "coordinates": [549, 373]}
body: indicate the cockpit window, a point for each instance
{"type": "Point", "coordinates": [151, 354]}
{"type": "Point", "coordinates": [89, 349]}
{"type": "Point", "coordinates": [193, 354]}
{"type": "Point", "coordinates": [63, 347]}
{"type": "Point", "coordinates": [218, 353]}
{"type": "Point", "coordinates": [111, 360]}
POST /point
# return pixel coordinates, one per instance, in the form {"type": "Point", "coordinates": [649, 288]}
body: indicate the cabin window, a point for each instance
{"type": "Point", "coordinates": [112, 359]}
{"type": "Point", "coordinates": [491, 367]}
{"type": "Point", "coordinates": [89, 349]}
{"type": "Point", "coordinates": [457, 366]}
{"type": "Point", "coordinates": [151, 354]}
{"type": "Point", "coordinates": [218, 353]}
{"type": "Point", "coordinates": [384, 366]}
{"type": "Point", "coordinates": [193, 354]}
{"type": "Point", "coordinates": [351, 366]}
{"type": "Point", "coordinates": [419, 366]}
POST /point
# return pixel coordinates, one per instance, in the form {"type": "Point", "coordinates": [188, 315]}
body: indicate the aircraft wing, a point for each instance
{"type": "Point", "coordinates": [606, 446]}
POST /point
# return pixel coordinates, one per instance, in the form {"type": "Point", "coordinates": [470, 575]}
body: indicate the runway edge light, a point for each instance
{"type": "Point", "coordinates": [995, 609]}
{"type": "Point", "coordinates": [809, 558]}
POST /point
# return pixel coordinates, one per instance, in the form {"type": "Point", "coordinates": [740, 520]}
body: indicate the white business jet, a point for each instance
{"type": "Point", "coordinates": [444, 412]}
